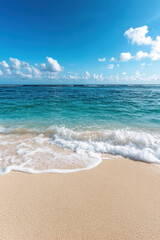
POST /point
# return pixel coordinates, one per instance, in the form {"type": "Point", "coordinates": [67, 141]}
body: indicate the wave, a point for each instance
{"type": "Point", "coordinates": [137, 145]}
{"type": "Point", "coordinates": [61, 150]}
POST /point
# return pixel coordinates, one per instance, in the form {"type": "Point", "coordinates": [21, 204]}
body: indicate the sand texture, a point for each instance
{"type": "Point", "coordinates": [118, 200]}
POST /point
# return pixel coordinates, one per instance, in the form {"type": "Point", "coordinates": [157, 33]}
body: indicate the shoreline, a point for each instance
{"type": "Point", "coordinates": [118, 199]}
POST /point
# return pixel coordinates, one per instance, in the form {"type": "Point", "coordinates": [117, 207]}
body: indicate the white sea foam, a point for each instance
{"type": "Point", "coordinates": [138, 145]}
{"type": "Point", "coordinates": [62, 150]}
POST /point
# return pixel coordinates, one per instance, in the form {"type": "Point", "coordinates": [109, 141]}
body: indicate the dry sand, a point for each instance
{"type": "Point", "coordinates": [119, 200]}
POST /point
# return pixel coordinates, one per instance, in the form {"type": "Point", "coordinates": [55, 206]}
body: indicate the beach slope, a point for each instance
{"type": "Point", "coordinates": [119, 199]}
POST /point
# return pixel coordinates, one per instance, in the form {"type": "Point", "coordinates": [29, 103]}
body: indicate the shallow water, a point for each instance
{"type": "Point", "coordinates": [64, 128]}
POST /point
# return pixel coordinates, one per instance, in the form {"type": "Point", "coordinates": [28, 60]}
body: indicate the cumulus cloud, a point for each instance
{"type": "Point", "coordinates": [16, 63]}
{"type": "Point", "coordinates": [125, 57]}
{"type": "Point", "coordinates": [42, 66]}
{"type": "Point", "coordinates": [102, 59]}
{"type": "Point", "coordinates": [110, 66]}
{"type": "Point", "coordinates": [23, 75]}
{"type": "Point", "coordinates": [3, 64]}
{"type": "Point", "coordinates": [139, 55]}
{"type": "Point", "coordinates": [35, 71]}
{"type": "Point", "coordinates": [51, 66]}
{"type": "Point", "coordinates": [155, 50]}
{"type": "Point", "coordinates": [1, 73]}
{"type": "Point", "coordinates": [21, 69]}
{"type": "Point", "coordinates": [8, 71]}
{"type": "Point", "coordinates": [138, 35]}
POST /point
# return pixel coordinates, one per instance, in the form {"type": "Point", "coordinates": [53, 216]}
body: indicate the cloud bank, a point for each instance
{"type": "Point", "coordinates": [21, 69]}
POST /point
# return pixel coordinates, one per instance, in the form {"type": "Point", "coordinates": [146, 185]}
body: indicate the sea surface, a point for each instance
{"type": "Point", "coordinates": [70, 128]}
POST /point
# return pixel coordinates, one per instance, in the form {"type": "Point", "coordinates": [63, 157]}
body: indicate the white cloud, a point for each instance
{"type": "Point", "coordinates": [98, 77]}
{"type": "Point", "coordinates": [3, 64]}
{"type": "Point", "coordinates": [110, 66]}
{"type": "Point", "coordinates": [143, 64]}
{"type": "Point", "coordinates": [87, 75]}
{"type": "Point", "coordinates": [118, 65]}
{"type": "Point", "coordinates": [155, 77]}
{"type": "Point", "coordinates": [1, 73]}
{"type": "Point", "coordinates": [51, 66]}
{"type": "Point", "coordinates": [124, 73]}
{"type": "Point", "coordinates": [102, 59]}
{"type": "Point", "coordinates": [138, 75]}
{"type": "Point", "coordinates": [8, 71]}
{"type": "Point", "coordinates": [125, 57]}
{"type": "Point", "coordinates": [72, 77]}
{"type": "Point", "coordinates": [112, 59]}
{"type": "Point", "coordinates": [50, 75]}
{"type": "Point", "coordinates": [36, 71]}
{"type": "Point", "coordinates": [23, 75]}
{"type": "Point", "coordinates": [21, 69]}
{"type": "Point", "coordinates": [29, 69]}
{"type": "Point", "coordinates": [155, 50]}
{"type": "Point", "coordinates": [139, 55]}
{"type": "Point", "coordinates": [117, 78]}
{"type": "Point", "coordinates": [138, 35]}
{"type": "Point", "coordinates": [16, 63]}
{"type": "Point", "coordinates": [42, 66]}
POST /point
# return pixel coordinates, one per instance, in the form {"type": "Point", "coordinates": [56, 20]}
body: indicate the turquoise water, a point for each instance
{"type": "Point", "coordinates": [121, 120]}
{"type": "Point", "coordinates": [99, 106]}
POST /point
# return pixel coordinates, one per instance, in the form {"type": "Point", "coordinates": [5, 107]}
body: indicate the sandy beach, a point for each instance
{"type": "Point", "coordinates": [119, 199]}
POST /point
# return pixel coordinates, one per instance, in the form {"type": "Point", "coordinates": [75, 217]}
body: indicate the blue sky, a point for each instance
{"type": "Point", "coordinates": [79, 41]}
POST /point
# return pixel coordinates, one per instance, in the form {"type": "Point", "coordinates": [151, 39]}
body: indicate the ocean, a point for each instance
{"type": "Point", "coordinates": [66, 128]}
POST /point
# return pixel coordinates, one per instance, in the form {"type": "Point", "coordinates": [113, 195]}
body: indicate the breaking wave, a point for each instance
{"type": "Point", "coordinates": [60, 149]}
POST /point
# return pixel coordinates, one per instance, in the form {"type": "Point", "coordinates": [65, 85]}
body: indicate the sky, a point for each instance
{"type": "Point", "coordinates": [80, 42]}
